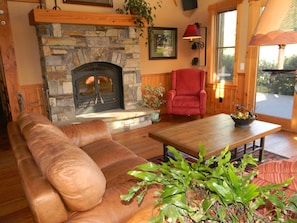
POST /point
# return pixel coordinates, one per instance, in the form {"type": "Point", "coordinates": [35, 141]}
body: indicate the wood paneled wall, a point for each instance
{"type": "Point", "coordinates": [155, 80]}
{"type": "Point", "coordinates": [222, 98]}
{"type": "Point", "coordinates": [34, 98]}
{"type": "Point", "coordinates": [230, 94]}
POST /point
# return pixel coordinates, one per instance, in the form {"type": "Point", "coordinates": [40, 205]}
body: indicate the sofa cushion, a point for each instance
{"type": "Point", "coordinates": [88, 132]}
{"type": "Point", "coordinates": [70, 170]}
{"type": "Point", "coordinates": [107, 152]}
{"type": "Point", "coordinates": [186, 101]}
{"type": "Point", "coordinates": [117, 173]}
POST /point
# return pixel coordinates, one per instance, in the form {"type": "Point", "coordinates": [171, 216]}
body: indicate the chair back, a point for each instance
{"type": "Point", "coordinates": [188, 81]}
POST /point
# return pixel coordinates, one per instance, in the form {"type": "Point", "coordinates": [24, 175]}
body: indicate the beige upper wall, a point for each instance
{"type": "Point", "coordinates": [169, 15]}
{"type": "Point", "coordinates": [25, 43]}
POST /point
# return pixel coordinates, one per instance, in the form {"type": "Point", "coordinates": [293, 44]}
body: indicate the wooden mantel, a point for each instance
{"type": "Point", "coordinates": [83, 18]}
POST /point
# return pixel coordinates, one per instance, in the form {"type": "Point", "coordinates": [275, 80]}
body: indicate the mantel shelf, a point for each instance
{"type": "Point", "coordinates": [37, 16]}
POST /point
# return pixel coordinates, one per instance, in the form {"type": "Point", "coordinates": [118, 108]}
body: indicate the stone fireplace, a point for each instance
{"type": "Point", "coordinates": [66, 52]}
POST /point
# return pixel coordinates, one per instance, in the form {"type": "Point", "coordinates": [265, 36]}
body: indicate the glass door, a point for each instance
{"type": "Point", "coordinates": [276, 80]}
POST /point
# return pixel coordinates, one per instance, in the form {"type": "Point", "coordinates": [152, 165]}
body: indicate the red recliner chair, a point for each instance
{"type": "Point", "coordinates": [188, 95]}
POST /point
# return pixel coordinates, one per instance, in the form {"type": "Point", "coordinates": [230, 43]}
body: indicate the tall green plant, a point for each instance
{"type": "Point", "coordinates": [213, 190]}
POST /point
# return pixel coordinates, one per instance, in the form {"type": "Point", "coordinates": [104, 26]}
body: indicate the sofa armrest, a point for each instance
{"type": "Point", "coordinates": [88, 132]}
{"type": "Point", "coordinates": [45, 203]}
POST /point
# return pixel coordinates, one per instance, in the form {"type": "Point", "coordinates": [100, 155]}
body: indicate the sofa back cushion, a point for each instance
{"type": "Point", "coordinates": [86, 133]}
{"type": "Point", "coordinates": [70, 170]}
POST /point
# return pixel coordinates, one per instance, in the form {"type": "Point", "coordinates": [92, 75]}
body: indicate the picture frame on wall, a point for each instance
{"type": "Point", "coordinates": [105, 3]}
{"type": "Point", "coordinates": [162, 43]}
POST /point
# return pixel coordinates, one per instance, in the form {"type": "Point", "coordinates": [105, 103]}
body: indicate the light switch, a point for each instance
{"type": "Point", "coordinates": [241, 67]}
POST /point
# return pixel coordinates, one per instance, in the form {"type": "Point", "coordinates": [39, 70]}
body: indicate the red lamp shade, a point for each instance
{"type": "Point", "coordinates": [192, 32]}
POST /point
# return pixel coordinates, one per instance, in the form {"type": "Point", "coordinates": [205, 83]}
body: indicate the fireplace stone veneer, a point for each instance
{"type": "Point", "coordinates": [65, 47]}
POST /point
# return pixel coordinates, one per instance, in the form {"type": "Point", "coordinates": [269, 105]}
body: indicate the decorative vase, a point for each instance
{"type": "Point", "coordinates": [155, 116]}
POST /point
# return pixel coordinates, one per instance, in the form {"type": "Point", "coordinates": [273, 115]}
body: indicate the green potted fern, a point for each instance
{"type": "Point", "coordinates": [153, 98]}
{"type": "Point", "coordinates": [213, 190]}
{"type": "Point", "coordinates": [142, 12]}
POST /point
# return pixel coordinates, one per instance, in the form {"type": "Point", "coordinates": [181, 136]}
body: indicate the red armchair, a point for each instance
{"type": "Point", "coordinates": [188, 95]}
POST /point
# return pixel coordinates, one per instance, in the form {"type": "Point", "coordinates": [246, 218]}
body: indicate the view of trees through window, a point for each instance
{"type": "Point", "coordinates": [282, 83]}
{"type": "Point", "coordinates": [226, 41]}
{"type": "Point", "coordinates": [275, 93]}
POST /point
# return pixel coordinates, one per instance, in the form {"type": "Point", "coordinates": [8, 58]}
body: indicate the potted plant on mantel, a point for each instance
{"type": "Point", "coordinates": [213, 190]}
{"type": "Point", "coordinates": [153, 97]}
{"type": "Point", "coordinates": [142, 11]}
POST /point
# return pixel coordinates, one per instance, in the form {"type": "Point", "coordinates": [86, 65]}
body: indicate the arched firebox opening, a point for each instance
{"type": "Point", "coordinates": [97, 86]}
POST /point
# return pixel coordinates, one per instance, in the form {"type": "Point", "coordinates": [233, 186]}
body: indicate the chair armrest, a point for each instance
{"type": "Point", "coordinates": [170, 94]}
{"type": "Point", "coordinates": [203, 97]}
{"type": "Point", "coordinates": [169, 98]}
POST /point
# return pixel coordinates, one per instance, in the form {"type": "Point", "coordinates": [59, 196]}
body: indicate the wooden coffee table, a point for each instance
{"type": "Point", "coordinates": [215, 133]}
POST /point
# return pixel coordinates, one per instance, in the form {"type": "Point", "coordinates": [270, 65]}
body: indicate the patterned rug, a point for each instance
{"type": "Point", "coordinates": [267, 156]}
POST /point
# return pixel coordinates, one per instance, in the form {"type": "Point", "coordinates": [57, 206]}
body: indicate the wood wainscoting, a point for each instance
{"type": "Point", "coordinates": [154, 80]}
{"type": "Point", "coordinates": [221, 97]}
{"type": "Point", "coordinates": [229, 94]}
{"type": "Point", "coordinates": [34, 98]}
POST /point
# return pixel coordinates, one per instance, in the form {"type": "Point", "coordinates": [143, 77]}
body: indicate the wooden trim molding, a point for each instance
{"type": "Point", "coordinates": [27, 1]}
{"type": "Point", "coordinates": [9, 62]}
{"type": "Point", "coordinates": [83, 18]}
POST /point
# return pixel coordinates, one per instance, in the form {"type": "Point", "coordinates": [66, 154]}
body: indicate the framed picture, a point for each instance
{"type": "Point", "coordinates": [162, 43]}
{"type": "Point", "coordinates": [106, 3]}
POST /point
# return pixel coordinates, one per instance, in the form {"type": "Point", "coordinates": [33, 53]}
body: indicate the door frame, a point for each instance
{"type": "Point", "coordinates": [251, 72]}
{"type": "Point", "coordinates": [9, 60]}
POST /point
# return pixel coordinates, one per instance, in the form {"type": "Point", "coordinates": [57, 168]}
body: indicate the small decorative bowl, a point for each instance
{"type": "Point", "coordinates": [243, 123]}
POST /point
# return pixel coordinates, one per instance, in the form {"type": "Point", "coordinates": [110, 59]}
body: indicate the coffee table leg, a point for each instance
{"type": "Point", "coordinates": [165, 153]}
{"type": "Point", "coordinates": [261, 151]}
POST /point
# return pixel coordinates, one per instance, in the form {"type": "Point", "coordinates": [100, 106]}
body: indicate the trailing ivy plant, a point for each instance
{"type": "Point", "coordinates": [143, 12]}
{"type": "Point", "coordinates": [213, 190]}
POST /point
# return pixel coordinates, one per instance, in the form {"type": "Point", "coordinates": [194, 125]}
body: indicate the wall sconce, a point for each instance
{"type": "Point", "coordinates": [193, 32]}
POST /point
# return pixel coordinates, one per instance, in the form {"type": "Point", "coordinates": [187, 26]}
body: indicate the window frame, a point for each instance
{"type": "Point", "coordinates": [220, 47]}
{"type": "Point", "coordinates": [214, 10]}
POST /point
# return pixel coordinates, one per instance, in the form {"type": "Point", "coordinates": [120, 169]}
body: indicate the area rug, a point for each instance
{"type": "Point", "coordinates": [267, 157]}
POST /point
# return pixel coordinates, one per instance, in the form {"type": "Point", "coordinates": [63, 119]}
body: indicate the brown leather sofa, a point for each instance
{"type": "Point", "coordinates": [74, 173]}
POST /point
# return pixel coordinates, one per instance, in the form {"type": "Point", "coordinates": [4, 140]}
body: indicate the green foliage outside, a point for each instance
{"type": "Point", "coordinates": [282, 84]}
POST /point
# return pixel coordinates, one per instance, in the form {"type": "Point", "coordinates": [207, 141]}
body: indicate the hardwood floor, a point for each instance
{"type": "Point", "coordinates": [13, 205]}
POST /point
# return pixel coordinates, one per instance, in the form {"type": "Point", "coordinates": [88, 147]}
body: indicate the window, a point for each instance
{"type": "Point", "coordinates": [225, 49]}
